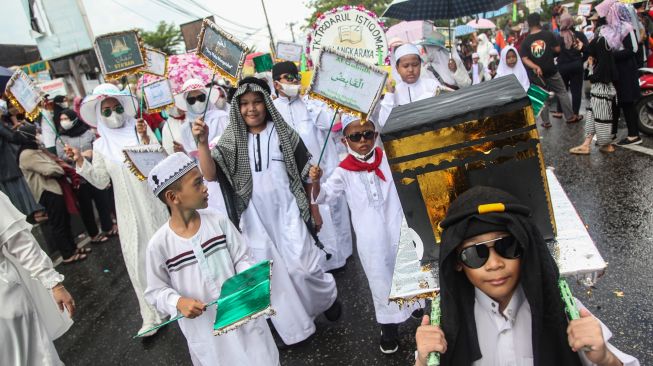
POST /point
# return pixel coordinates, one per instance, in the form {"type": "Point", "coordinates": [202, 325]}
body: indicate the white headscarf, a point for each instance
{"type": "Point", "coordinates": [438, 58]}
{"type": "Point", "coordinates": [113, 140]}
{"type": "Point", "coordinates": [519, 70]}
{"type": "Point", "coordinates": [483, 49]}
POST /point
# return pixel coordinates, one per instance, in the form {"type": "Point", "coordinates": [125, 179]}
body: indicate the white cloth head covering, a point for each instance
{"type": "Point", "coordinates": [189, 86]}
{"type": "Point", "coordinates": [100, 93]}
{"type": "Point", "coordinates": [168, 171]}
{"type": "Point", "coordinates": [483, 49]}
{"type": "Point", "coordinates": [438, 57]}
{"type": "Point", "coordinates": [348, 119]}
{"type": "Point", "coordinates": [519, 70]}
{"type": "Point", "coordinates": [113, 140]}
{"type": "Point", "coordinates": [493, 52]}
{"type": "Point", "coordinates": [406, 49]}
{"type": "Point", "coordinates": [475, 55]}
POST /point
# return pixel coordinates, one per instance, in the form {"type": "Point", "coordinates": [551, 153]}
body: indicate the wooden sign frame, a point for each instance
{"type": "Point", "coordinates": [217, 54]}
{"type": "Point", "coordinates": [133, 38]}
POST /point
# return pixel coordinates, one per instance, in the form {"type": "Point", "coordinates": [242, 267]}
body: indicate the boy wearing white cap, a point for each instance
{"type": "Point", "coordinates": [188, 260]}
{"type": "Point", "coordinates": [364, 178]}
{"type": "Point", "coordinates": [412, 87]}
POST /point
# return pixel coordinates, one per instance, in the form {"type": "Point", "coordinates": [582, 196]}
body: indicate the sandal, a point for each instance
{"type": "Point", "coordinates": [113, 231]}
{"type": "Point", "coordinates": [607, 149]}
{"type": "Point", "coordinates": [75, 258]}
{"type": "Point", "coordinates": [556, 115]}
{"type": "Point", "coordinates": [547, 125]}
{"type": "Point", "coordinates": [576, 119]}
{"type": "Point", "coordinates": [83, 250]}
{"type": "Point", "coordinates": [580, 150]}
{"type": "Point", "coordinates": [99, 238]}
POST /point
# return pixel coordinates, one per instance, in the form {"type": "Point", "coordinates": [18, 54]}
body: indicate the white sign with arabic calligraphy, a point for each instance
{"type": "Point", "coordinates": [155, 62]}
{"type": "Point", "coordinates": [158, 94]}
{"type": "Point", "coordinates": [347, 82]}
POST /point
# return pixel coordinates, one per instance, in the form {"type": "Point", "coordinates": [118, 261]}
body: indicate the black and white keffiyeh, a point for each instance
{"type": "Point", "coordinates": [231, 155]}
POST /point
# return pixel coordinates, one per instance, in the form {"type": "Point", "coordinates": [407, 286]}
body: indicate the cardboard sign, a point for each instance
{"type": "Point", "coordinates": [54, 87]}
{"type": "Point", "coordinates": [156, 62]}
{"type": "Point", "coordinates": [584, 9]}
{"type": "Point", "coordinates": [119, 53]}
{"type": "Point", "coordinates": [24, 94]}
{"type": "Point", "coordinates": [143, 158]}
{"type": "Point", "coordinates": [223, 53]}
{"type": "Point", "coordinates": [289, 51]}
{"type": "Point", "coordinates": [158, 95]}
{"type": "Point", "coordinates": [350, 84]}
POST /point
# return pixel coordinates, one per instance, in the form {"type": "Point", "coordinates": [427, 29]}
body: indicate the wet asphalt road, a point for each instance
{"type": "Point", "coordinates": [613, 194]}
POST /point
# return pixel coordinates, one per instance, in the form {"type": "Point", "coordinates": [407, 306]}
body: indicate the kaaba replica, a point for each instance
{"type": "Point", "coordinates": [481, 135]}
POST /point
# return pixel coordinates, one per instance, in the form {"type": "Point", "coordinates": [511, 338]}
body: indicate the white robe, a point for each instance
{"type": "Point", "coordinates": [407, 93]}
{"type": "Point", "coordinates": [274, 229]}
{"type": "Point", "coordinates": [25, 337]}
{"type": "Point", "coordinates": [174, 270]}
{"type": "Point", "coordinates": [376, 216]}
{"type": "Point", "coordinates": [311, 120]}
{"type": "Point", "coordinates": [139, 213]}
{"type": "Point", "coordinates": [216, 120]}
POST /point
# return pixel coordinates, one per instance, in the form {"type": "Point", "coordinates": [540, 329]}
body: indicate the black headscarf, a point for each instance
{"type": "Point", "coordinates": [539, 279]}
{"type": "Point", "coordinates": [78, 128]}
{"type": "Point", "coordinates": [29, 141]}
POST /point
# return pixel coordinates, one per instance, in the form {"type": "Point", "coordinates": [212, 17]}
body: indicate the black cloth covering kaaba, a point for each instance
{"type": "Point", "coordinates": [539, 279]}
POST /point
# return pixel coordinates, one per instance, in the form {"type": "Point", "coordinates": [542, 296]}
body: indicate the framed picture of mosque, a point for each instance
{"type": "Point", "coordinates": [120, 53]}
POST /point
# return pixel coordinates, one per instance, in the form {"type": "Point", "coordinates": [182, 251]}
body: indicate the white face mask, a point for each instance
{"type": "Point", "coordinates": [115, 120]}
{"type": "Point", "coordinates": [68, 124]}
{"type": "Point", "coordinates": [64, 105]}
{"type": "Point", "coordinates": [198, 107]}
{"type": "Point", "coordinates": [361, 157]}
{"type": "Point", "coordinates": [221, 103]}
{"type": "Point", "coordinates": [291, 90]}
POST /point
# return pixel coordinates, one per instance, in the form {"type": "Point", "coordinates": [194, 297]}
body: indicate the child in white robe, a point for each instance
{"type": "Point", "coordinates": [311, 119]}
{"type": "Point", "coordinates": [188, 260]}
{"type": "Point", "coordinates": [413, 85]}
{"type": "Point", "coordinates": [364, 178]}
{"type": "Point", "coordinates": [510, 63]}
{"type": "Point", "coordinates": [264, 164]}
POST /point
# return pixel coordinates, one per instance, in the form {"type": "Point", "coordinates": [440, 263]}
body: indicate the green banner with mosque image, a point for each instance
{"type": "Point", "coordinates": [120, 53]}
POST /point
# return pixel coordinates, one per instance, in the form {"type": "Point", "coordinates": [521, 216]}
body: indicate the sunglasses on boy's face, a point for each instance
{"type": "Point", "coordinates": [200, 98]}
{"type": "Point", "coordinates": [477, 255]}
{"type": "Point", "coordinates": [118, 109]}
{"type": "Point", "coordinates": [356, 137]}
{"type": "Point", "coordinates": [291, 78]}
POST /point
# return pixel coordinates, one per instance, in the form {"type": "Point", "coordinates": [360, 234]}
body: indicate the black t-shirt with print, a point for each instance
{"type": "Point", "coordinates": [538, 48]}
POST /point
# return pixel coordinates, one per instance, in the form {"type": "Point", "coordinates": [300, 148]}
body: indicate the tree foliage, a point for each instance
{"type": "Point", "coordinates": [165, 38]}
{"type": "Point", "coordinates": [321, 6]}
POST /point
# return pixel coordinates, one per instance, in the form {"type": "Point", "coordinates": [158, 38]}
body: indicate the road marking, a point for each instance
{"type": "Point", "coordinates": [639, 148]}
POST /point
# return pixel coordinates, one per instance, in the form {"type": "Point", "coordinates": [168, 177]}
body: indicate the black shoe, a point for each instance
{"type": "Point", "coordinates": [418, 314]}
{"type": "Point", "coordinates": [626, 141]}
{"type": "Point", "coordinates": [333, 313]}
{"type": "Point", "coordinates": [388, 346]}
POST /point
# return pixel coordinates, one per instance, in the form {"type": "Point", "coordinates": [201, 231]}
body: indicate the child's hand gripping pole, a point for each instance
{"type": "Point", "coordinates": [172, 320]}
{"type": "Point", "coordinates": [206, 107]}
{"type": "Point", "coordinates": [434, 357]}
{"type": "Point", "coordinates": [326, 141]}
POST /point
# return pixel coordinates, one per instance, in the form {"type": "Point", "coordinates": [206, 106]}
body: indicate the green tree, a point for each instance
{"type": "Point", "coordinates": [165, 38]}
{"type": "Point", "coordinates": [321, 6]}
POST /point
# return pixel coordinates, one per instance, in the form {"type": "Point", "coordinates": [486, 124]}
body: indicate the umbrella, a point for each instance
{"type": "Point", "coordinates": [440, 9]}
{"type": "Point", "coordinates": [5, 75]}
{"type": "Point", "coordinates": [411, 32]}
{"type": "Point", "coordinates": [482, 24]}
{"type": "Point", "coordinates": [463, 30]}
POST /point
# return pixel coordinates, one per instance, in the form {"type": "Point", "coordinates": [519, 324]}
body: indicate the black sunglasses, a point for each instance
{"type": "Point", "coordinates": [200, 98]}
{"type": "Point", "coordinates": [291, 77]}
{"type": "Point", "coordinates": [108, 111]}
{"type": "Point", "coordinates": [478, 254]}
{"type": "Point", "coordinates": [356, 137]}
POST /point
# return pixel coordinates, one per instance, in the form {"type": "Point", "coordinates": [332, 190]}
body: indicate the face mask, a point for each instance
{"type": "Point", "coordinates": [361, 157]}
{"type": "Point", "coordinates": [291, 90]}
{"type": "Point", "coordinates": [197, 107]}
{"type": "Point", "coordinates": [68, 124]}
{"type": "Point", "coordinates": [221, 103]}
{"type": "Point", "coordinates": [63, 104]}
{"type": "Point", "coordinates": [115, 120]}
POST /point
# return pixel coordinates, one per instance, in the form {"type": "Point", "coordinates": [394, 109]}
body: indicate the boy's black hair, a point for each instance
{"type": "Point", "coordinates": [480, 210]}
{"type": "Point", "coordinates": [175, 186]}
{"type": "Point", "coordinates": [534, 20]}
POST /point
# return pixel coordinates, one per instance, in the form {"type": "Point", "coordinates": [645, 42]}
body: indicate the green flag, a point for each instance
{"type": "Point", "coordinates": [243, 297]}
{"type": "Point", "coordinates": [538, 97]}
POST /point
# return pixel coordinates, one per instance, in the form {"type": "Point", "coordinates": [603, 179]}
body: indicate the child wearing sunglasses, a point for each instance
{"type": "Point", "coordinates": [364, 178]}
{"type": "Point", "coordinates": [500, 300]}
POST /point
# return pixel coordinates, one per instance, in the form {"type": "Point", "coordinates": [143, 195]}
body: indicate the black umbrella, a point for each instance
{"type": "Point", "coordinates": [5, 75]}
{"type": "Point", "coordinates": [440, 9]}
